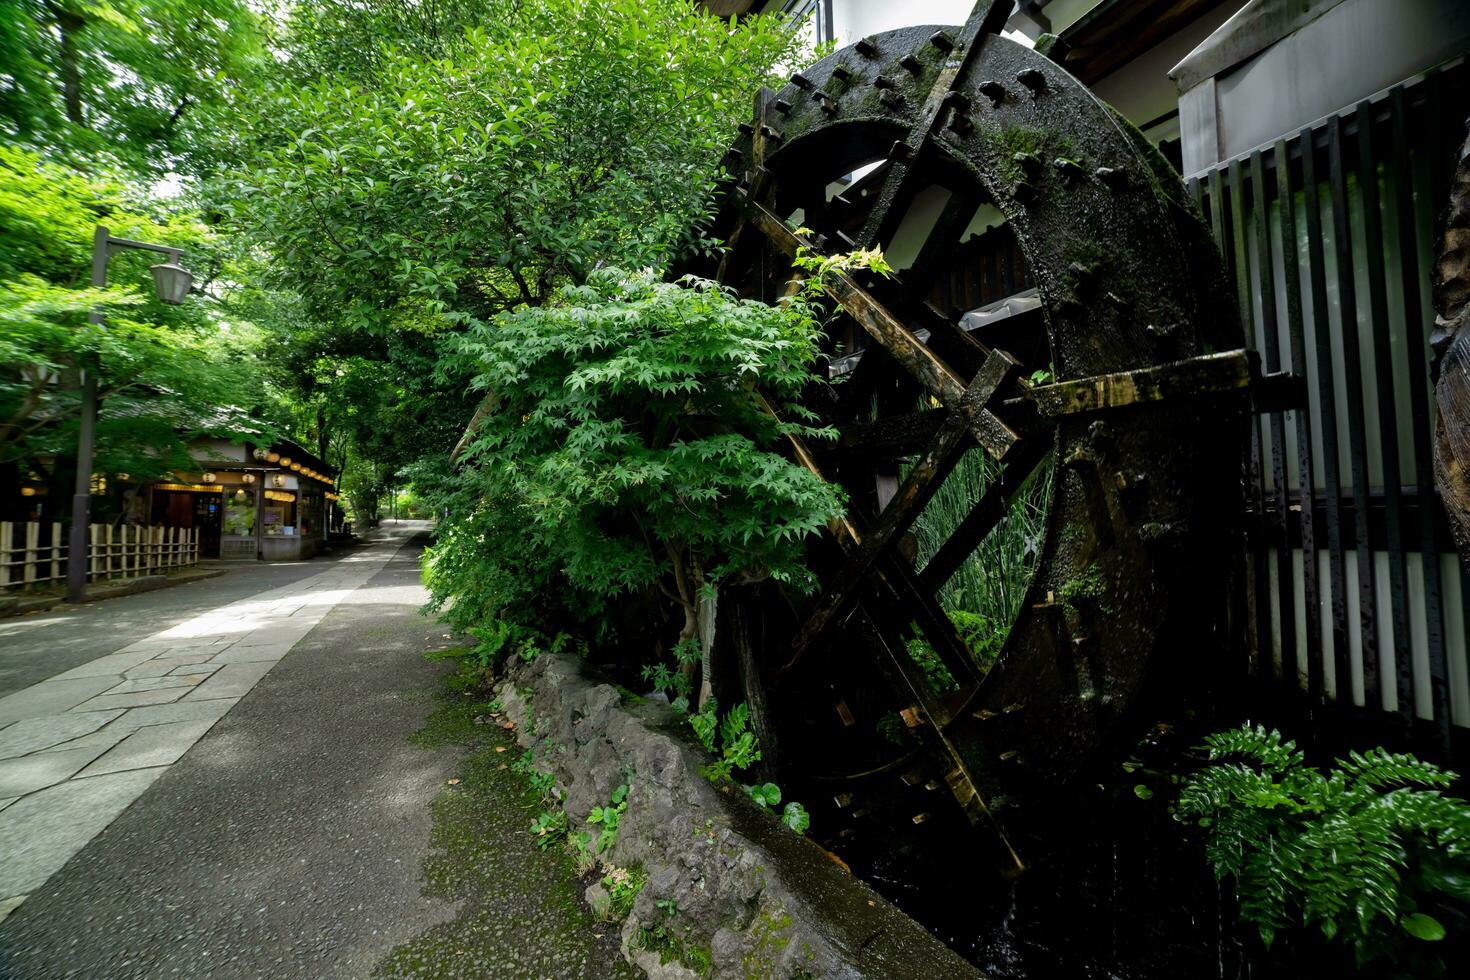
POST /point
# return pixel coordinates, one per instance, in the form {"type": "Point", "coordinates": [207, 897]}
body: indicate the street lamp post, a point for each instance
{"type": "Point", "coordinates": [172, 282]}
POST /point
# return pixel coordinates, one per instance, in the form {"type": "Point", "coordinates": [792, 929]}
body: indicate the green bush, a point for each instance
{"type": "Point", "coordinates": [1366, 853]}
{"type": "Point", "coordinates": [627, 452]}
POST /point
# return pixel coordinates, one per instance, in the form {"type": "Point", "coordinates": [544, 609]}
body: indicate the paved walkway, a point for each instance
{"type": "Point", "coordinates": [38, 646]}
{"type": "Point", "coordinates": [78, 748]}
{"type": "Point", "coordinates": [304, 834]}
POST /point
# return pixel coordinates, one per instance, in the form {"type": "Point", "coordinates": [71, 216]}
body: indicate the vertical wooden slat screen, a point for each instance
{"type": "Point", "coordinates": [34, 555]}
{"type": "Point", "coordinates": [1354, 592]}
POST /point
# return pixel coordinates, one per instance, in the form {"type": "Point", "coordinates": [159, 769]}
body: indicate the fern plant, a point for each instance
{"type": "Point", "coordinates": [1364, 853]}
{"type": "Point", "coordinates": [739, 748]}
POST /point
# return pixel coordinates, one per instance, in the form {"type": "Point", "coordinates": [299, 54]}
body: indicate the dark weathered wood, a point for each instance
{"type": "Point", "coordinates": [938, 629]}
{"type": "Point", "coordinates": [985, 515]}
{"type": "Point", "coordinates": [1296, 332]}
{"type": "Point", "coordinates": [1271, 355]}
{"type": "Point", "coordinates": [744, 620]}
{"type": "Point", "coordinates": [941, 242]}
{"type": "Point", "coordinates": [898, 435]}
{"type": "Point", "coordinates": [1398, 586]}
{"type": "Point", "coordinates": [1347, 301]}
{"type": "Point", "coordinates": [958, 348]}
{"type": "Point", "coordinates": [928, 369]}
{"type": "Point", "coordinates": [918, 487]}
{"type": "Point", "coordinates": [1401, 179]}
{"type": "Point", "coordinates": [738, 250]}
{"type": "Point", "coordinates": [1326, 407]}
{"type": "Point", "coordinates": [985, 19]}
{"type": "Point", "coordinates": [1209, 374]}
{"type": "Point", "coordinates": [962, 783]}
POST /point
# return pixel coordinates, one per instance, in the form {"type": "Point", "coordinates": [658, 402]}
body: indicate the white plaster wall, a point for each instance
{"type": "Point", "coordinates": [1142, 89]}
{"type": "Point", "coordinates": [854, 19]}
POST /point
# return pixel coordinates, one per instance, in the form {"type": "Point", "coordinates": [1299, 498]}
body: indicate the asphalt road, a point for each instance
{"type": "Point", "coordinates": [289, 841]}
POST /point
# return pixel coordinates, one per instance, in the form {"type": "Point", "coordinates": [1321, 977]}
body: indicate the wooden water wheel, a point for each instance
{"type": "Point", "coordinates": [1140, 413]}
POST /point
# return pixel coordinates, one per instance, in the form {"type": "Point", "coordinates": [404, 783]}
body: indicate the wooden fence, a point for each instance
{"type": "Point", "coordinates": [34, 555]}
{"type": "Point", "coordinates": [1356, 598]}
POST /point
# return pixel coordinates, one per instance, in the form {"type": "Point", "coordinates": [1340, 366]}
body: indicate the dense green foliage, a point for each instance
{"type": "Point", "coordinates": [736, 750]}
{"type": "Point", "coordinates": [165, 373]}
{"type": "Point", "coordinates": [1372, 853]}
{"type": "Point", "coordinates": [990, 585]}
{"type": "Point", "coordinates": [122, 84]}
{"type": "Point", "coordinates": [405, 167]}
{"type": "Point", "coordinates": [479, 174]}
{"type": "Point", "coordinates": [625, 450]}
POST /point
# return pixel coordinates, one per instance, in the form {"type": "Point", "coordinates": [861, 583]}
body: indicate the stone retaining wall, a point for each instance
{"type": "Point", "coordinates": [758, 899]}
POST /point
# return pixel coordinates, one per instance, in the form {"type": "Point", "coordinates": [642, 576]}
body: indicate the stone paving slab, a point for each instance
{"type": "Point", "coordinates": [245, 655]}
{"type": "Point", "coordinates": [136, 699]}
{"type": "Point", "coordinates": [103, 740]}
{"type": "Point", "coordinates": [230, 681]}
{"type": "Point", "coordinates": [110, 665]}
{"type": "Point", "coordinates": [163, 714]}
{"type": "Point", "coordinates": [155, 745]}
{"type": "Point", "coordinates": [161, 682]}
{"type": "Point", "coordinates": [38, 734]}
{"type": "Point", "coordinates": [51, 697]}
{"type": "Point", "coordinates": [194, 670]}
{"type": "Point", "coordinates": [164, 665]}
{"type": "Point", "coordinates": [41, 769]}
{"type": "Point", "coordinates": [41, 831]}
{"type": "Point", "coordinates": [78, 748]}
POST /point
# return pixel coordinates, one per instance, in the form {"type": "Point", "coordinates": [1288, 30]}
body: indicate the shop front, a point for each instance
{"type": "Point", "coordinates": [251, 502]}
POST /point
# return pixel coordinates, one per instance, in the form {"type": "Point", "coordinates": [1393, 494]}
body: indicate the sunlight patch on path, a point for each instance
{"type": "Point", "coordinates": [79, 747]}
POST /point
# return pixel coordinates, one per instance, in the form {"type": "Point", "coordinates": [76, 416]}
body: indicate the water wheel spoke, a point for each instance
{"type": "Point", "coordinates": [921, 483]}
{"type": "Point", "coordinates": [985, 515]}
{"type": "Point", "coordinates": [930, 725]}
{"type": "Point", "coordinates": [985, 19]}
{"type": "Point", "coordinates": [913, 354]}
{"type": "Point", "coordinates": [896, 435]}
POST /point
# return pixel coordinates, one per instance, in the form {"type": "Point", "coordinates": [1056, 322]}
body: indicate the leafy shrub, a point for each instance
{"type": "Point", "coordinates": [625, 453]}
{"type": "Point", "coordinates": [737, 749]}
{"type": "Point", "coordinates": [608, 816]}
{"type": "Point", "coordinates": [549, 827]}
{"type": "Point", "coordinates": [1362, 853]}
{"type": "Point", "coordinates": [936, 674]}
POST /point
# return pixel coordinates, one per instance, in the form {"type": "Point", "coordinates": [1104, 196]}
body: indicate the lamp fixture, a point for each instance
{"type": "Point", "coordinates": [279, 479]}
{"type": "Point", "coordinates": [259, 453]}
{"type": "Point", "coordinates": [173, 282]}
{"type": "Point", "coordinates": [248, 479]}
{"type": "Point", "coordinates": [272, 457]}
{"type": "Point", "coordinates": [210, 478]}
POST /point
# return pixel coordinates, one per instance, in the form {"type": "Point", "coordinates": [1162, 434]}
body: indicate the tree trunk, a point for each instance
{"type": "Point", "coordinates": [705, 614]}
{"type": "Point", "coordinates": [738, 644]}
{"type": "Point", "coordinates": [69, 24]}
